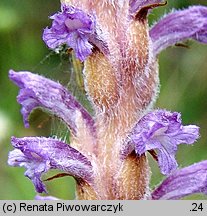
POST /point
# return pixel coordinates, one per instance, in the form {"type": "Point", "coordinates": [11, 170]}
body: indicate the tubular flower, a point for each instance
{"type": "Point", "coordinates": [107, 151]}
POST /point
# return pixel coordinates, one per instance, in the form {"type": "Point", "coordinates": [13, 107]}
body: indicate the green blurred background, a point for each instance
{"type": "Point", "coordinates": [183, 75]}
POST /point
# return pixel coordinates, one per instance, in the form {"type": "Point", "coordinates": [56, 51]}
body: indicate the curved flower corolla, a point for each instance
{"type": "Point", "coordinates": [38, 155]}
{"type": "Point", "coordinates": [37, 91]}
{"type": "Point", "coordinates": [107, 152]}
{"type": "Point", "coordinates": [177, 26]}
{"type": "Point", "coordinates": [183, 182]}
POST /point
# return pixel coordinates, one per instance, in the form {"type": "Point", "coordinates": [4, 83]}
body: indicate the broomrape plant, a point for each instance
{"type": "Point", "coordinates": [107, 151]}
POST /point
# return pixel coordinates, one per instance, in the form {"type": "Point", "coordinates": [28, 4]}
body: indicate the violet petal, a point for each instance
{"type": "Point", "coordinates": [183, 182]}
{"type": "Point", "coordinates": [38, 155]}
{"type": "Point", "coordinates": [37, 91]}
{"type": "Point", "coordinates": [177, 26]}
{"type": "Point", "coordinates": [163, 131]}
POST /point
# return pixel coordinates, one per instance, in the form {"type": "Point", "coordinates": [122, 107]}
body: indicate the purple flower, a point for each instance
{"type": "Point", "coordinates": [37, 91]}
{"type": "Point", "coordinates": [183, 182]}
{"type": "Point", "coordinates": [163, 131]}
{"type": "Point", "coordinates": [107, 152]}
{"type": "Point", "coordinates": [177, 26]}
{"type": "Point", "coordinates": [38, 155]}
{"type": "Point", "coordinates": [73, 27]}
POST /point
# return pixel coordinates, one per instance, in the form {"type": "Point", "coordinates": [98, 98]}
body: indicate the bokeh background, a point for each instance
{"type": "Point", "coordinates": [183, 75]}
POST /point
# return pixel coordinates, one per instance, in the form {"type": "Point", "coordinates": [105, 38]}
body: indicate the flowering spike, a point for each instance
{"type": "Point", "coordinates": [121, 79]}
